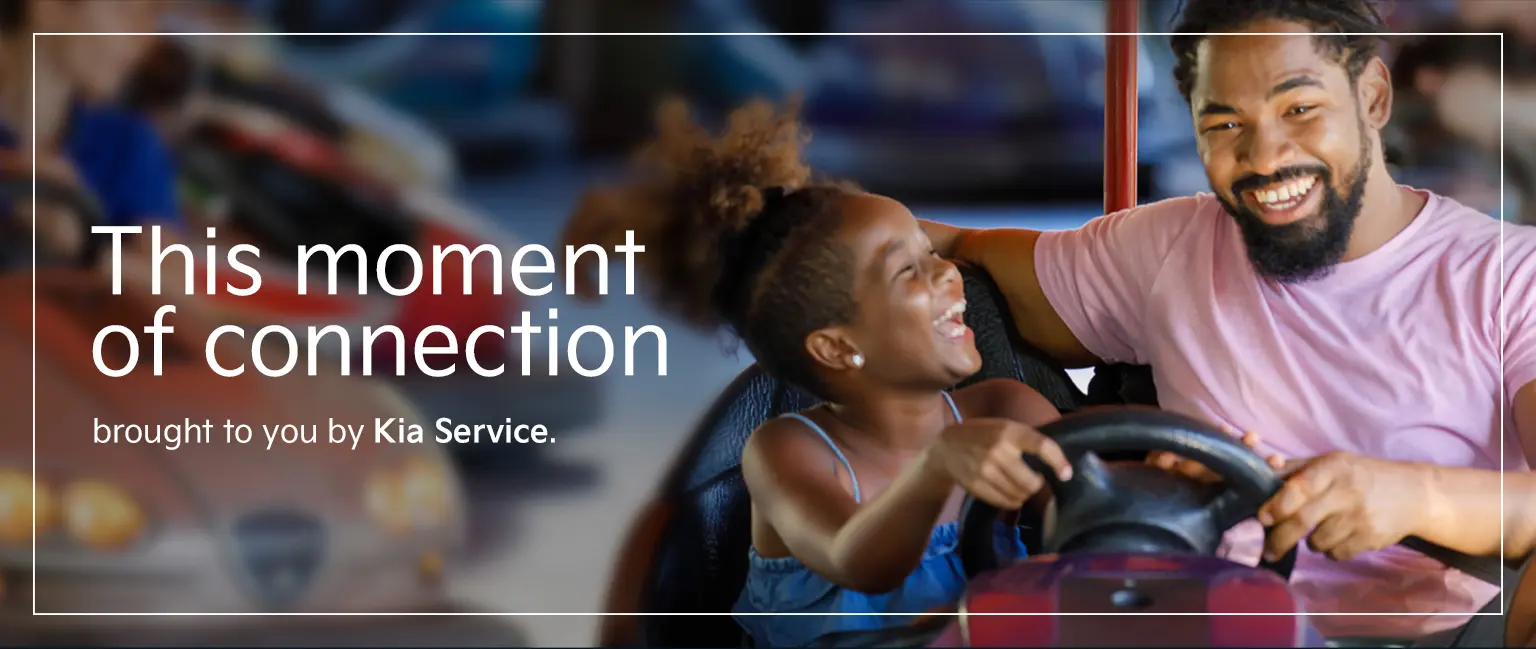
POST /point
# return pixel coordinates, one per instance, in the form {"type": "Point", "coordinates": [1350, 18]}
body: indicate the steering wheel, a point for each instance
{"type": "Point", "coordinates": [16, 241]}
{"type": "Point", "coordinates": [1132, 506]}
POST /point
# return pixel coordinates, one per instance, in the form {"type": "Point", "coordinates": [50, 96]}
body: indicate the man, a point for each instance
{"type": "Point", "coordinates": [1372, 334]}
{"type": "Point", "coordinates": [81, 138]}
{"type": "Point", "coordinates": [1354, 322]}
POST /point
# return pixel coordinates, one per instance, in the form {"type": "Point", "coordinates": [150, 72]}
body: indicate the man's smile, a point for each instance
{"type": "Point", "coordinates": [1285, 202]}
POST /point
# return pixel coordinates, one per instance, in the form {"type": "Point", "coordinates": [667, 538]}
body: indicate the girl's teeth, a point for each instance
{"type": "Point", "coordinates": [949, 324]}
{"type": "Point", "coordinates": [952, 329]}
{"type": "Point", "coordinates": [950, 313]}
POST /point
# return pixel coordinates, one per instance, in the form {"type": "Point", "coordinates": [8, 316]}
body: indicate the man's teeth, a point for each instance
{"type": "Point", "coordinates": [1286, 195]}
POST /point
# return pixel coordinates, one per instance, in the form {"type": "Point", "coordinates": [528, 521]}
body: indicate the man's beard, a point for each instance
{"type": "Point", "coordinates": [1307, 249]}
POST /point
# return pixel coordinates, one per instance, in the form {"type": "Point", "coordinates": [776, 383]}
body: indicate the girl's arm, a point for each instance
{"type": "Point", "coordinates": [798, 485]}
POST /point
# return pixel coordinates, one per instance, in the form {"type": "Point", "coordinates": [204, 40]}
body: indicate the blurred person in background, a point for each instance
{"type": "Point", "coordinates": [1457, 79]}
{"type": "Point", "coordinates": [1515, 18]}
{"type": "Point", "coordinates": [82, 138]}
{"type": "Point", "coordinates": [1349, 319]}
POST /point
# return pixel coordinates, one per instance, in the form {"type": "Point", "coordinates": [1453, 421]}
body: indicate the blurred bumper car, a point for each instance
{"type": "Point", "coordinates": [169, 516]}
{"type": "Point", "coordinates": [474, 85]}
{"type": "Point", "coordinates": [281, 188]}
{"type": "Point", "coordinates": [184, 71]}
{"type": "Point", "coordinates": [965, 115]}
{"type": "Point", "coordinates": [251, 172]}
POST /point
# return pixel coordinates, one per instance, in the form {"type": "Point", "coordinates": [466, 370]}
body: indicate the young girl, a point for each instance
{"type": "Point", "coordinates": [854, 502]}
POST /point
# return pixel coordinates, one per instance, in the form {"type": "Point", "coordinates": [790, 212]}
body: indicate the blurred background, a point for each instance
{"type": "Point", "coordinates": [431, 140]}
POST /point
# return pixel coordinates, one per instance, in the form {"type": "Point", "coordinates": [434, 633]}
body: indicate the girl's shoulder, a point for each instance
{"type": "Point", "coordinates": [789, 438]}
{"type": "Point", "coordinates": [788, 455]}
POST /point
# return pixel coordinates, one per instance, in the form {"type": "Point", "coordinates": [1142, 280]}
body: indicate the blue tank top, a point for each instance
{"type": "Point", "coordinates": [785, 585]}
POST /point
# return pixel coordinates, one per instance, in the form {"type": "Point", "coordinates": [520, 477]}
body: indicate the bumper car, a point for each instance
{"type": "Point", "coordinates": [181, 72]}
{"type": "Point", "coordinates": [474, 85]}
{"type": "Point", "coordinates": [1124, 537]}
{"type": "Point", "coordinates": [1130, 538]}
{"type": "Point", "coordinates": [144, 521]}
{"type": "Point", "coordinates": [258, 177]}
{"type": "Point", "coordinates": [1123, 556]}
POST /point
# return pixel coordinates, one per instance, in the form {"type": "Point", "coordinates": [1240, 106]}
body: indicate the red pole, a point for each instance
{"type": "Point", "coordinates": [1120, 104]}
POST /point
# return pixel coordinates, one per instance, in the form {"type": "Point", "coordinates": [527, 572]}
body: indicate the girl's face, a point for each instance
{"type": "Point", "coordinates": [909, 326]}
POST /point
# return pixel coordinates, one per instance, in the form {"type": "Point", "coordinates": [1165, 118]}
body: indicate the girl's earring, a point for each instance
{"type": "Point", "coordinates": [857, 360]}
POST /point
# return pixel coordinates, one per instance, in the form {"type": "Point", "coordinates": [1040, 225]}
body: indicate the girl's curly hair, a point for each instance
{"type": "Point", "coordinates": [737, 234]}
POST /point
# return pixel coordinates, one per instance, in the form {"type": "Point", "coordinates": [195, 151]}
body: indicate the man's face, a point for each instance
{"type": "Point", "coordinates": [1285, 144]}
{"type": "Point", "coordinates": [96, 62]}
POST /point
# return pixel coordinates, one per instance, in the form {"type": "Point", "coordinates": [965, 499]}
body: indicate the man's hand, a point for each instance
{"type": "Point", "coordinates": [1345, 504]}
{"type": "Point", "coordinates": [1199, 472]}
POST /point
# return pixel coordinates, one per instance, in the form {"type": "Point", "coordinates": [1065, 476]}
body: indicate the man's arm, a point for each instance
{"type": "Point", "coordinates": [1008, 255]}
{"type": "Point", "coordinates": [946, 238]}
{"type": "Point", "coordinates": [1344, 504]}
{"type": "Point", "coordinates": [1520, 512]}
{"type": "Point", "coordinates": [1347, 504]}
{"type": "Point", "coordinates": [1464, 512]}
{"type": "Point", "coordinates": [1455, 507]}
{"type": "Point", "coordinates": [1082, 295]}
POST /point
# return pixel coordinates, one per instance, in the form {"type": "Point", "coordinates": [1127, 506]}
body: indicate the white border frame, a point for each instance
{"type": "Point", "coordinates": [1502, 326]}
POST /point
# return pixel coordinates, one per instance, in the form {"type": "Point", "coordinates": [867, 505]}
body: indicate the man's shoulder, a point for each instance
{"type": "Point", "coordinates": [1467, 232]}
{"type": "Point", "coordinates": [1477, 256]}
{"type": "Point", "coordinates": [1174, 211]}
{"type": "Point", "coordinates": [1160, 223]}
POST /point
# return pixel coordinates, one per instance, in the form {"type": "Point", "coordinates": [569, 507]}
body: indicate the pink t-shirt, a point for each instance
{"type": "Point", "coordinates": [1394, 355]}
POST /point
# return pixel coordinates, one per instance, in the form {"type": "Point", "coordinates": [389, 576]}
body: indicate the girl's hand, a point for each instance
{"type": "Point", "coordinates": [986, 458]}
{"type": "Point", "coordinates": [1197, 471]}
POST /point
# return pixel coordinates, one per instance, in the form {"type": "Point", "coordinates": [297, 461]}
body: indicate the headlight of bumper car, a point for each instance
{"type": "Point", "coordinates": [94, 513]}
{"type": "Point", "coordinates": [101, 515]}
{"type": "Point", "coordinates": [418, 495]}
{"type": "Point", "coordinates": [16, 505]}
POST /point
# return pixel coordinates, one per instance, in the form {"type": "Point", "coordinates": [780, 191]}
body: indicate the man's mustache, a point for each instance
{"type": "Point", "coordinates": [1255, 181]}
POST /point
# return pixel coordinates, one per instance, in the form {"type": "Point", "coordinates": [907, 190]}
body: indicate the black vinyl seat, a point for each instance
{"type": "Point", "coordinates": [700, 563]}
